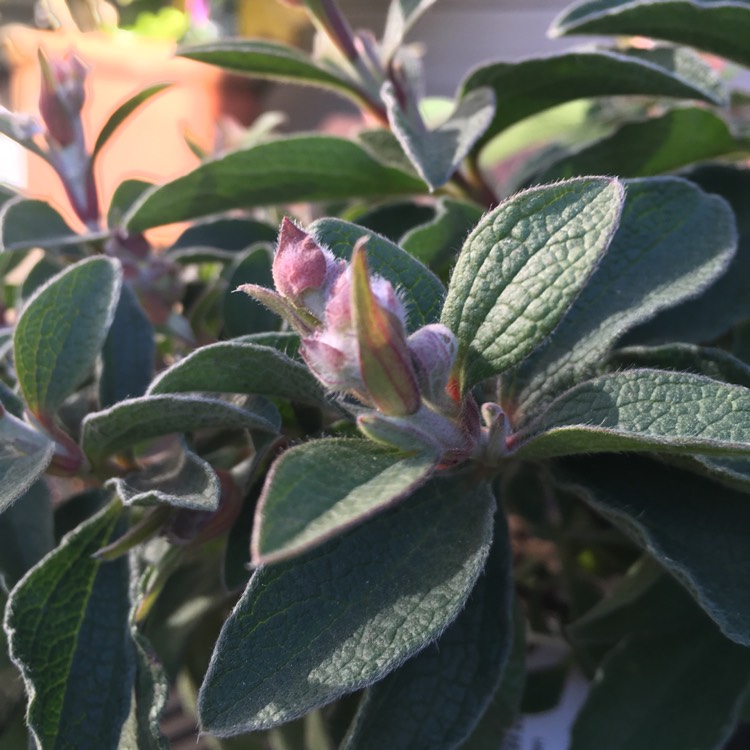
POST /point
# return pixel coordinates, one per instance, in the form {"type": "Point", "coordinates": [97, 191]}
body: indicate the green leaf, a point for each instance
{"type": "Point", "coordinates": [322, 488]}
{"type": "Point", "coordinates": [139, 419]}
{"type": "Point", "coordinates": [531, 86]}
{"type": "Point", "coordinates": [641, 410]}
{"type": "Point", "coordinates": [62, 330]}
{"type": "Point", "coordinates": [128, 352]}
{"type": "Point", "coordinates": [402, 15]}
{"type": "Point", "coordinates": [126, 194]}
{"type": "Point", "coordinates": [242, 314]}
{"type": "Point", "coordinates": [121, 114]}
{"type": "Point", "coordinates": [24, 455]}
{"type": "Point", "coordinates": [234, 367]}
{"type": "Point", "coordinates": [437, 698]}
{"type": "Point", "coordinates": [288, 170]}
{"type": "Point", "coordinates": [650, 147]}
{"type": "Point", "coordinates": [219, 240]}
{"type": "Point", "coordinates": [346, 614]}
{"type": "Point", "coordinates": [719, 27]}
{"type": "Point", "coordinates": [67, 622]}
{"type": "Point", "coordinates": [644, 694]}
{"type": "Point", "coordinates": [694, 528]}
{"type": "Point", "coordinates": [393, 219]}
{"type": "Point", "coordinates": [438, 241]}
{"type": "Point", "coordinates": [151, 693]}
{"type": "Point", "coordinates": [26, 534]}
{"type": "Point", "coordinates": [182, 479]}
{"type": "Point", "coordinates": [523, 266]}
{"type": "Point", "coordinates": [436, 154]}
{"type": "Point", "coordinates": [733, 472]}
{"type": "Point", "coordinates": [699, 360]}
{"type": "Point", "coordinates": [672, 242]}
{"type": "Point", "coordinates": [421, 290]}
{"type": "Point", "coordinates": [265, 59]}
{"type": "Point", "coordinates": [726, 302]}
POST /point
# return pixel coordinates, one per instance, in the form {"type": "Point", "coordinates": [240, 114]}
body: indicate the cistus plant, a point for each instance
{"type": "Point", "coordinates": [393, 412]}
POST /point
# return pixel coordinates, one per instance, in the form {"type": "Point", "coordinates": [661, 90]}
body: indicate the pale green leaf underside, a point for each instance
{"type": "Point", "coordinates": [672, 242]}
{"type": "Point", "coordinates": [287, 170]}
{"type": "Point", "coordinates": [356, 608]}
{"type": "Point", "coordinates": [436, 154]}
{"type": "Point", "coordinates": [62, 330]}
{"type": "Point", "coordinates": [402, 15]}
{"type": "Point", "coordinates": [237, 367]}
{"type": "Point", "coordinates": [522, 267]}
{"type": "Point", "coordinates": [531, 86]}
{"type": "Point", "coordinates": [719, 27]}
{"type": "Point", "coordinates": [140, 419]}
{"type": "Point", "coordinates": [321, 488]}
{"type": "Point", "coordinates": [641, 410]}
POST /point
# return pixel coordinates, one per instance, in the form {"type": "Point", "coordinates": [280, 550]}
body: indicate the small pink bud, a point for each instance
{"type": "Point", "coordinates": [433, 350]}
{"type": "Point", "coordinates": [62, 96]}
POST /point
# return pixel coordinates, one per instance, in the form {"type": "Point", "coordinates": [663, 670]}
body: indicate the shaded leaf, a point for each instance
{"type": "Point", "coordinates": [219, 239]}
{"type": "Point", "coordinates": [523, 266]}
{"type": "Point", "coordinates": [402, 15]}
{"type": "Point", "coordinates": [641, 410]}
{"type": "Point", "coordinates": [151, 692]}
{"type": "Point", "coordinates": [288, 170]}
{"type": "Point", "coordinates": [62, 329]}
{"type": "Point", "coordinates": [718, 27]}
{"type": "Point", "coordinates": [673, 241]}
{"type": "Point", "coordinates": [356, 608]}
{"type": "Point", "coordinates": [421, 290]}
{"type": "Point", "coordinates": [322, 488]}
{"type": "Point", "coordinates": [67, 622]}
{"type": "Point", "coordinates": [242, 314]}
{"type": "Point", "coordinates": [436, 699]}
{"type": "Point", "coordinates": [126, 194]}
{"type": "Point", "coordinates": [394, 219]}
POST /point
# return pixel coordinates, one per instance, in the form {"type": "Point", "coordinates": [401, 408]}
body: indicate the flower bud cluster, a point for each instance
{"type": "Point", "coordinates": [355, 341]}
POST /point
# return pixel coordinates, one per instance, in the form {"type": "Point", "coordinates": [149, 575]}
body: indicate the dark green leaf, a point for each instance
{"type": "Point", "coordinates": [402, 15]}
{"type": "Point", "coordinates": [322, 488]}
{"type": "Point", "coordinates": [235, 367]}
{"type": "Point", "coordinates": [68, 633]}
{"type": "Point", "coordinates": [694, 527]}
{"type": "Point", "coordinates": [265, 59]}
{"type": "Point", "coordinates": [672, 242]}
{"type": "Point", "coordinates": [393, 220]}
{"type": "Point", "coordinates": [726, 302]}
{"type": "Point", "coordinates": [655, 146]}
{"type": "Point", "coordinates": [733, 472]}
{"type": "Point", "coordinates": [436, 154]}
{"type": "Point", "coordinates": [299, 168]}
{"type": "Point", "coordinates": [421, 289]}
{"type": "Point", "coordinates": [26, 534]}
{"type": "Point", "coordinates": [42, 271]}
{"type": "Point", "coordinates": [243, 314]}
{"type": "Point", "coordinates": [523, 266]}
{"type": "Point", "coordinates": [62, 330]}
{"type": "Point", "coordinates": [151, 692]}
{"type": "Point", "coordinates": [121, 114]}
{"type": "Point", "coordinates": [139, 419]}
{"type": "Point", "coordinates": [220, 239]}
{"type": "Point", "coordinates": [126, 194]}
{"type": "Point", "coordinates": [128, 353]}
{"type": "Point", "coordinates": [718, 27]}
{"type": "Point", "coordinates": [530, 86]}
{"type": "Point", "coordinates": [641, 410]}
{"type": "Point", "coordinates": [354, 609]}
{"type": "Point", "coordinates": [435, 700]}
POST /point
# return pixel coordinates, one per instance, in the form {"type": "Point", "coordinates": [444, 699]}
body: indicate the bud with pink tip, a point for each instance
{"type": "Point", "coordinates": [433, 350]}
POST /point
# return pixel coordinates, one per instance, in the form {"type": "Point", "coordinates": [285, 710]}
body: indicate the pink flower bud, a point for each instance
{"type": "Point", "coordinates": [62, 96]}
{"type": "Point", "coordinates": [433, 350]}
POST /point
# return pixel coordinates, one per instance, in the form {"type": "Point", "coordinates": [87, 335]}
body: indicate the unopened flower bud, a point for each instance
{"type": "Point", "coordinates": [62, 96]}
{"type": "Point", "coordinates": [433, 350]}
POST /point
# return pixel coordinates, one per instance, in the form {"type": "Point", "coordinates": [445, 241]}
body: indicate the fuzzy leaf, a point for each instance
{"type": "Point", "coordinates": [673, 241]}
{"type": "Point", "coordinates": [128, 353]}
{"type": "Point", "coordinates": [322, 488]}
{"type": "Point", "coordinates": [219, 240]}
{"type": "Point", "coordinates": [641, 410]}
{"type": "Point", "coordinates": [654, 146]}
{"type": "Point", "coordinates": [151, 692]}
{"type": "Point", "coordinates": [139, 419]}
{"type": "Point", "coordinates": [436, 154]}
{"type": "Point", "coordinates": [354, 609]}
{"type": "Point", "coordinates": [26, 534]}
{"type": "Point", "coordinates": [523, 266]}
{"type": "Point", "coordinates": [266, 59]}
{"type": "Point", "coordinates": [531, 86]}
{"type": "Point", "coordinates": [288, 170]}
{"type": "Point", "coordinates": [421, 290]}
{"type": "Point", "coordinates": [725, 303]}
{"type": "Point", "coordinates": [436, 698]}
{"type": "Point", "coordinates": [402, 15]}
{"type": "Point", "coordinates": [242, 314]}
{"type": "Point", "coordinates": [67, 622]}
{"type": "Point", "coordinates": [62, 330]}
{"type": "Point", "coordinates": [235, 367]}
{"type": "Point", "coordinates": [718, 27]}
{"type": "Point", "coordinates": [126, 194]}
